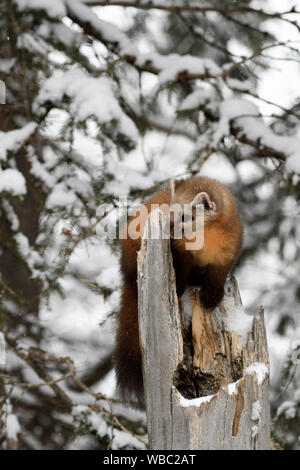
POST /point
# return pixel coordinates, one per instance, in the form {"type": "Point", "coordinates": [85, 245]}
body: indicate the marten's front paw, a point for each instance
{"type": "Point", "coordinates": [210, 298]}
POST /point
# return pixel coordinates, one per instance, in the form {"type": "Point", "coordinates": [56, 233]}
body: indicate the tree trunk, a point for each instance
{"type": "Point", "coordinates": [205, 387]}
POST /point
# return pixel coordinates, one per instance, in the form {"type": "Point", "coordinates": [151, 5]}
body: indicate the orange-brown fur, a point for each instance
{"type": "Point", "coordinates": [207, 267]}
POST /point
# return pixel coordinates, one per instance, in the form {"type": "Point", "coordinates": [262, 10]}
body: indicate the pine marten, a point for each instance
{"type": "Point", "coordinates": [206, 267]}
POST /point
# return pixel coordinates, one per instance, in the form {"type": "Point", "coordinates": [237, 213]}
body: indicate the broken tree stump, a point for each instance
{"type": "Point", "coordinates": [206, 374]}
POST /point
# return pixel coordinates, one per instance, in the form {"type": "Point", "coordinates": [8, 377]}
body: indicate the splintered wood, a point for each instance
{"type": "Point", "coordinates": [205, 387]}
{"type": "Point", "coordinates": [215, 357]}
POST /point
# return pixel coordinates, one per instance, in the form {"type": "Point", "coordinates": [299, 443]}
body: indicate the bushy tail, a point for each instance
{"type": "Point", "coordinates": [128, 361]}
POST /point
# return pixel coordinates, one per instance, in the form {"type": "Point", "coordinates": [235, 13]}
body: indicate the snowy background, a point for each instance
{"type": "Point", "coordinates": [81, 322]}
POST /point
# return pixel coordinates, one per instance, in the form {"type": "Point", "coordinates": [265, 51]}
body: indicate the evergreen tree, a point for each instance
{"type": "Point", "coordinates": [106, 99]}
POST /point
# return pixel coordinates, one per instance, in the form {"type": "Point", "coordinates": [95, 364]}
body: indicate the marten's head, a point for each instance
{"type": "Point", "coordinates": [187, 194]}
{"type": "Point", "coordinates": [195, 204]}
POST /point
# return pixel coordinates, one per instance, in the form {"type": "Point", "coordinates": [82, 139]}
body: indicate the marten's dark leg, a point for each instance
{"type": "Point", "coordinates": [213, 282]}
{"type": "Point", "coordinates": [182, 262]}
{"type": "Point", "coordinates": [196, 276]}
{"type": "Point", "coordinates": [127, 353]}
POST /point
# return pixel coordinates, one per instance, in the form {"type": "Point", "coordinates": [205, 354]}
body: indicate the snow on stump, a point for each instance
{"type": "Point", "coordinates": [206, 374]}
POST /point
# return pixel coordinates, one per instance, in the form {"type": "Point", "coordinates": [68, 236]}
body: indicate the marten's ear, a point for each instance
{"type": "Point", "coordinates": [203, 198]}
{"type": "Point", "coordinates": [174, 186]}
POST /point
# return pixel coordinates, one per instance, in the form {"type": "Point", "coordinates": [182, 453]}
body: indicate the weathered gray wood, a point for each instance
{"type": "Point", "coordinates": [236, 414]}
{"type": "Point", "coordinates": [160, 331]}
{"type": "Point", "coordinates": [12, 444]}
